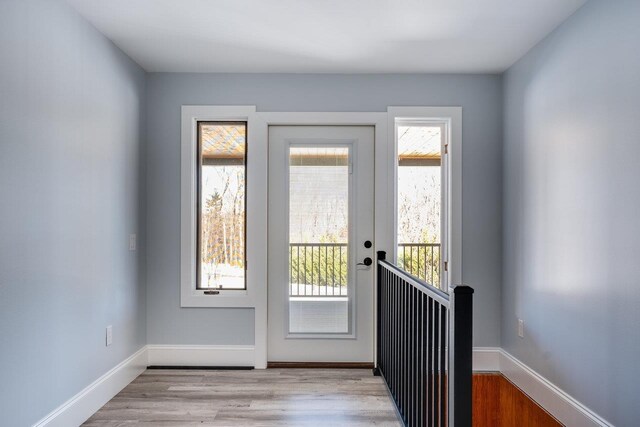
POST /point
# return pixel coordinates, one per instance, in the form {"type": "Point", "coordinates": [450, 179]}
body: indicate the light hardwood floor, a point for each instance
{"type": "Point", "coordinates": [271, 397]}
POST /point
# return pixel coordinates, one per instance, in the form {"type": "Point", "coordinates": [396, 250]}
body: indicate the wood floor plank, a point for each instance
{"type": "Point", "coordinates": [499, 403]}
{"type": "Point", "coordinates": [307, 417]}
{"type": "Point", "coordinates": [272, 397]}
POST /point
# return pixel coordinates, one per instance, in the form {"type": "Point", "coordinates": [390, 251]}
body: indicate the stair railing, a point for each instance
{"type": "Point", "coordinates": [424, 346]}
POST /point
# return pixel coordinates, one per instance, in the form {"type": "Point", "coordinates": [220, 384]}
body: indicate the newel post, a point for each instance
{"type": "Point", "coordinates": [460, 357]}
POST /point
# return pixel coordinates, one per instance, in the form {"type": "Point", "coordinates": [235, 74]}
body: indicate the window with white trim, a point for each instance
{"type": "Point", "coordinates": [220, 235]}
{"type": "Point", "coordinates": [221, 202]}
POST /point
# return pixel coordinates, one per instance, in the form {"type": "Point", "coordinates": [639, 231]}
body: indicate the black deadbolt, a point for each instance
{"type": "Point", "coordinates": [367, 244]}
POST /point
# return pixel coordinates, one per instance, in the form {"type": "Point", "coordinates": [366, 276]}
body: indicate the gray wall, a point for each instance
{"type": "Point", "coordinates": [481, 99]}
{"type": "Point", "coordinates": [71, 127]}
{"type": "Point", "coordinates": [571, 208]}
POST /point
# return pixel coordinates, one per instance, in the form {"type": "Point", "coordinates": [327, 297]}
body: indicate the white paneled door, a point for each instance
{"type": "Point", "coordinates": [320, 254]}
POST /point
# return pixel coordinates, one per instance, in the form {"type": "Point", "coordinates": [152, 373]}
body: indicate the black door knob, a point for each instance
{"type": "Point", "coordinates": [368, 244]}
{"type": "Point", "coordinates": [367, 261]}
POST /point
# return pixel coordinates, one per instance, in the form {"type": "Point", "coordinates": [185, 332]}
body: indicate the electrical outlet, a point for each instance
{"type": "Point", "coordinates": [109, 335]}
{"type": "Point", "coordinates": [521, 328]}
{"type": "Point", "coordinates": [132, 242]}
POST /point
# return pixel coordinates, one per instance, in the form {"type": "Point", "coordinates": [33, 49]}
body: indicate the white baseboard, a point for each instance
{"type": "Point", "coordinates": [201, 355]}
{"type": "Point", "coordinates": [486, 359]}
{"type": "Point", "coordinates": [80, 407]}
{"type": "Point", "coordinates": [563, 407]}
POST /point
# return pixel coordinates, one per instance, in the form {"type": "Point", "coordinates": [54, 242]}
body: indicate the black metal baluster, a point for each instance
{"type": "Point", "coordinates": [418, 353]}
{"type": "Point", "coordinates": [392, 329]}
{"type": "Point", "coordinates": [382, 307]}
{"type": "Point", "coordinates": [399, 332]}
{"type": "Point", "coordinates": [443, 374]}
{"type": "Point", "coordinates": [398, 336]}
{"type": "Point", "coordinates": [422, 382]}
{"type": "Point", "coordinates": [409, 351]}
{"type": "Point", "coordinates": [405, 347]}
{"type": "Point", "coordinates": [436, 361]}
{"type": "Point", "coordinates": [407, 371]}
{"type": "Point", "coordinates": [388, 328]}
{"type": "Point", "coordinates": [381, 320]}
{"type": "Point", "coordinates": [412, 394]}
{"type": "Point", "coordinates": [436, 364]}
{"type": "Point", "coordinates": [401, 346]}
{"type": "Point", "coordinates": [410, 318]}
{"type": "Point", "coordinates": [416, 361]}
{"type": "Point", "coordinates": [385, 333]}
{"type": "Point", "coordinates": [430, 363]}
{"type": "Point", "coordinates": [396, 368]}
{"type": "Point", "coordinates": [387, 315]}
{"type": "Point", "coordinates": [394, 332]}
{"type": "Point", "coordinates": [416, 364]}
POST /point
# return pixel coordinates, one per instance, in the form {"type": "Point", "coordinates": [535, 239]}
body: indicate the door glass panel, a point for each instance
{"type": "Point", "coordinates": [420, 201]}
{"type": "Point", "coordinates": [318, 239]}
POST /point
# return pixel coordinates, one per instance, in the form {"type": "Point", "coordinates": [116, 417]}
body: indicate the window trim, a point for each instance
{"type": "Point", "coordinates": [190, 296]}
{"type": "Point", "coordinates": [452, 117]}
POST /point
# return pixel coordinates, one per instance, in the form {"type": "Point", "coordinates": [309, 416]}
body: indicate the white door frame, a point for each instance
{"type": "Point", "coordinates": [383, 236]}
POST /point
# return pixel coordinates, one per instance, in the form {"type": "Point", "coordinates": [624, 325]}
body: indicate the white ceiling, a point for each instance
{"type": "Point", "coordinates": [326, 36]}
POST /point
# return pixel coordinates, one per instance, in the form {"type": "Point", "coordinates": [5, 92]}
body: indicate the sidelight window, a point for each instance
{"type": "Point", "coordinates": [420, 148]}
